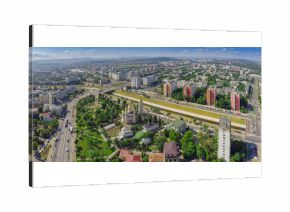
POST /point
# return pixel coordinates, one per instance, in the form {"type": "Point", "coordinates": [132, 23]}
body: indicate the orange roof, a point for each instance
{"type": "Point", "coordinates": [44, 114]}
{"type": "Point", "coordinates": [156, 157]}
{"type": "Point", "coordinates": [126, 156]}
{"type": "Point", "coordinates": [123, 153]}
{"type": "Point", "coordinates": [137, 158]}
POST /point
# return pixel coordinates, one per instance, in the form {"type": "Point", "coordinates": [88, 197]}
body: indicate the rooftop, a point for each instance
{"type": "Point", "coordinates": [170, 148]}
{"type": "Point", "coordinates": [127, 156]}
{"type": "Point", "coordinates": [156, 157]}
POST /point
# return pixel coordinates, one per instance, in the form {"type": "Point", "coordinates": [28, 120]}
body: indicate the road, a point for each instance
{"type": "Point", "coordinates": [65, 150]}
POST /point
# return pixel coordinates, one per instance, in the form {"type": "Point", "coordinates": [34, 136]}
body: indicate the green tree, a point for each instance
{"type": "Point", "coordinates": [173, 135]}
{"type": "Point", "coordinates": [188, 150]}
{"type": "Point", "coordinates": [159, 141]}
{"type": "Point", "coordinates": [241, 87]}
{"type": "Point", "coordinates": [199, 151]}
{"type": "Point", "coordinates": [223, 101]}
{"type": "Point", "coordinates": [236, 157]}
{"type": "Point", "coordinates": [199, 96]}
{"type": "Point", "coordinates": [188, 135]}
{"type": "Point", "coordinates": [211, 80]}
{"type": "Point", "coordinates": [187, 145]}
{"type": "Point", "coordinates": [145, 157]}
{"type": "Point", "coordinates": [177, 94]}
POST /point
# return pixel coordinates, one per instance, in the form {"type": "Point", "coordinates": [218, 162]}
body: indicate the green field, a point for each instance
{"type": "Point", "coordinates": [91, 144]}
{"type": "Point", "coordinates": [210, 114]}
{"type": "Point", "coordinates": [139, 134]}
{"type": "Point", "coordinates": [113, 132]}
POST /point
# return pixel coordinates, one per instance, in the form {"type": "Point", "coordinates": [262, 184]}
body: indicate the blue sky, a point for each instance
{"type": "Point", "coordinates": [247, 53]}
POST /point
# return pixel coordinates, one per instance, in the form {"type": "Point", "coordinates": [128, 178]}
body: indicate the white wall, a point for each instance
{"type": "Point", "coordinates": [266, 194]}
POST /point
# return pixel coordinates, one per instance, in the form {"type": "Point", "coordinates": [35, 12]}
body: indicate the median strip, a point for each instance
{"type": "Point", "coordinates": [185, 110]}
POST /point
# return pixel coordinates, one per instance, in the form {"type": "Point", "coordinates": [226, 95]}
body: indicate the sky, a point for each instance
{"type": "Point", "coordinates": [246, 53]}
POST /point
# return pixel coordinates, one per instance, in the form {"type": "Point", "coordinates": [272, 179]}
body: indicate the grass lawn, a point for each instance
{"type": "Point", "coordinates": [211, 114]}
{"type": "Point", "coordinates": [113, 132]}
{"type": "Point", "coordinates": [139, 134]}
{"type": "Point", "coordinates": [45, 152]}
{"type": "Point", "coordinates": [91, 144]}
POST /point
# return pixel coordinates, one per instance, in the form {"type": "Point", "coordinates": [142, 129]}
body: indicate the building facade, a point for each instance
{"type": "Point", "coordinates": [210, 96]}
{"type": "Point", "coordinates": [149, 80]}
{"type": "Point", "coordinates": [120, 76]}
{"type": "Point", "coordinates": [129, 116]}
{"type": "Point", "coordinates": [140, 109]}
{"type": "Point", "coordinates": [72, 79]}
{"type": "Point", "coordinates": [43, 98]}
{"type": "Point", "coordinates": [153, 127]}
{"type": "Point", "coordinates": [224, 139]}
{"type": "Point", "coordinates": [126, 132]}
{"type": "Point", "coordinates": [235, 101]}
{"type": "Point", "coordinates": [168, 88]}
{"type": "Point", "coordinates": [136, 82]}
{"type": "Point", "coordinates": [171, 151]}
{"type": "Point", "coordinates": [188, 91]}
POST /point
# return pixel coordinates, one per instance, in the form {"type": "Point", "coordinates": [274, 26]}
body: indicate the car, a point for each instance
{"type": "Point", "coordinates": [67, 140]}
{"type": "Point", "coordinates": [66, 149]}
{"type": "Point", "coordinates": [36, 154]}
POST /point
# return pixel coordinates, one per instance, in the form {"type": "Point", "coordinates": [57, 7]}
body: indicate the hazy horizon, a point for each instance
{"type": "Point", "coordinates": [54, 53]}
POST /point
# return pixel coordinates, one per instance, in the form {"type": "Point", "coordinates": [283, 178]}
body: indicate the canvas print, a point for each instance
{"type": "Point", "coordinates": [145, 104]}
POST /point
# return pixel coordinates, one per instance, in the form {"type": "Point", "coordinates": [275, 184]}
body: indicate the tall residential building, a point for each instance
{"type": "Point", "coordinates": [169, 87]}
{"type": "Point", "coordinates": [131, 74]}
{"type": "Point", "coordinates": [50, 99]}
{"type": "Point", "coordinates": [72, 79]}
{"type": "Point", "coordinates": [110, 75]}
{"type": "Point", "coordinates": [210, 96]}
{"type": "Point", "coordinates": [181, 83]}
{"type": "Point", "coordinates": [224, 141]}
{"type": "Point", "coordinates": [140, 110]}
{"type": "Point", "coordinates": [149, 80]}
{"type": "Point", "coordinates": [188, 91]}
{"type": "Point", "coordinates": [43, 98]}
{"type": "Point", "coordinates": [120, 76]}
{"type": "Point", "coordinates": [235, 101]}
{"type": "Point", "coordinates": [136, 82]}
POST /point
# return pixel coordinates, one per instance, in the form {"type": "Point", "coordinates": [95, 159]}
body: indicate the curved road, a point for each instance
{"type": "Point", "coordinates": [65, 150]}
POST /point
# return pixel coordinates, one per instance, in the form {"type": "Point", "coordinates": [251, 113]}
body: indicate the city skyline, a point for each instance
{"type": "Point", "coordinates": [241, 53]}
{"type": "Point", "coordinates": [145, 110]}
